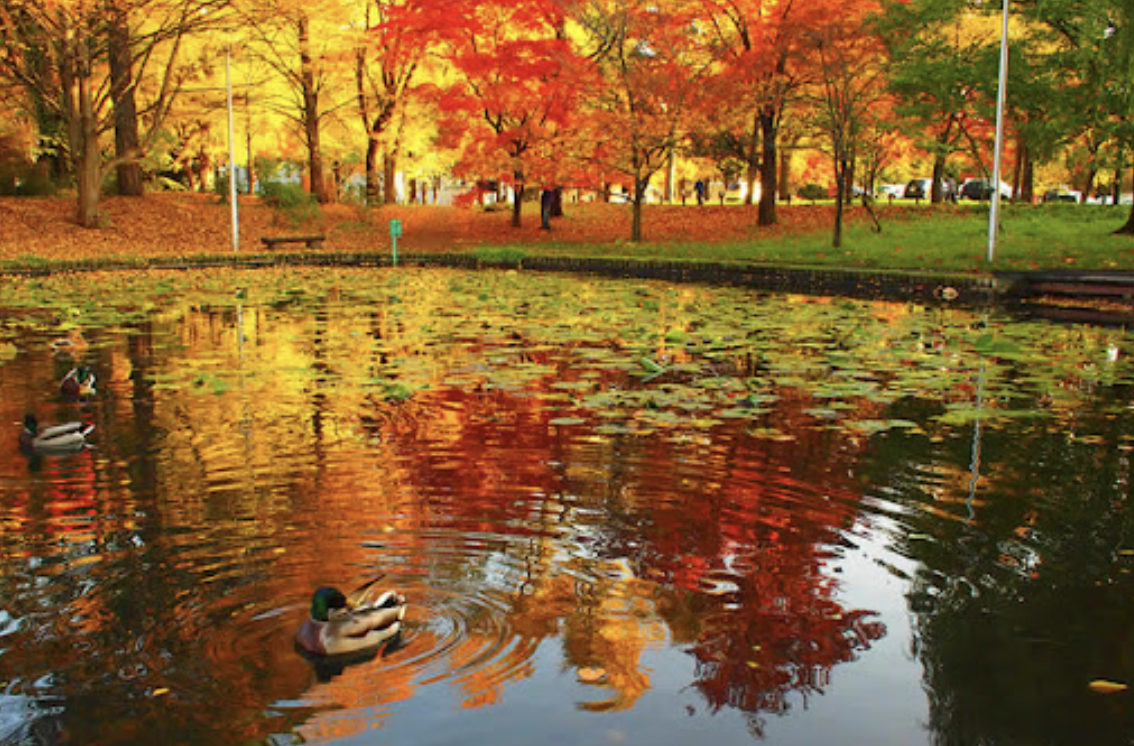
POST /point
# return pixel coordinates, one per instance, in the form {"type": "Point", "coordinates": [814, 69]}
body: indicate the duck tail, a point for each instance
{"type": "Point", "coordinates": [362, 595]}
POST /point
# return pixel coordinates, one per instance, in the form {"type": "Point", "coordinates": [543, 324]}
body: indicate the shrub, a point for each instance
{"type": "Point", "coordinates": [221, 188]}
{"type": "Point", "coordinates": [812, 192]}
{"type": "Point", "coordinates": [290, 200]}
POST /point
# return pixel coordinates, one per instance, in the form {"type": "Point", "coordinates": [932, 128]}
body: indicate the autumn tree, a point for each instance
{"type": "Point", "coordinates": [934, 47]}
{"type": "Point", "coordinates": [649, 66]}
{"type": "Point", "coordinates": [850, 83]}
{"type": "Point", "coordinates": [87, 67]}
{"type": "Point", "coordinates": [513, 93]}
{"type": "Point", "coordinates": [149, 67]}
{"type": "Point", "coordinates": [1122, 23]}
{"type": "Point", "coordinates": [1089, 58]}
{"type": "Point", "coordinates": [393, 45]}
{"type": "Point", "coordinates": [762, 46]}
{"type": "Point", "coordinates": [304, 44]}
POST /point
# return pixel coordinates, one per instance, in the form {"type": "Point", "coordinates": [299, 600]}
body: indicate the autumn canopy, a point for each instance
{"type": "Point", "coordinates": [371, 99]}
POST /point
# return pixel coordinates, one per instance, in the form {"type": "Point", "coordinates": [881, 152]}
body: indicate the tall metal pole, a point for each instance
{"type": "Point", "coordinates": [994, 213]}
{"type": "Point", "coordinates": [231, 149]}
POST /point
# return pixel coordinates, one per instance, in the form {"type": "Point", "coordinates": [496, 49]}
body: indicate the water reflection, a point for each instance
{"type": "Point", "coordinates": [690, 509]}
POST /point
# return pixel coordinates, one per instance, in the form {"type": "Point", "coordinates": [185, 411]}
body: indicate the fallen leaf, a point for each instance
{"type": "Point", "coordinates": [1100, 686]}
{"type": "Point", "coordinates": [591, 675]}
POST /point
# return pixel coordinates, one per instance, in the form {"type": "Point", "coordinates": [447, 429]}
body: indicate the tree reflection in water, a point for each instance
{"type": "Point", "coordinates": [563, 473]}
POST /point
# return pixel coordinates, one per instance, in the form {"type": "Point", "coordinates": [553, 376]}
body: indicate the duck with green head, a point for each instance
{"type": "Point", "coordinates": [79, 383]}
{"type": "Point", "coordinates": [339, 625]}
{"type": "Point", "coordinates": [66, 438]}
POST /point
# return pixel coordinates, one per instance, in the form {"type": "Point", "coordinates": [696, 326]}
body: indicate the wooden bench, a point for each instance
{"type": "Point", "coordinates": [312, 241]}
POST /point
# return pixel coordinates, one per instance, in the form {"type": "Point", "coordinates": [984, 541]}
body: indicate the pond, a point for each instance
{"type": "Point", "coordinates": [621, 512]}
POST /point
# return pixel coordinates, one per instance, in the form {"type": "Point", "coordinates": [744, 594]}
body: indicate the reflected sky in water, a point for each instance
{"type": "Point", "coordinates": [622, 512]}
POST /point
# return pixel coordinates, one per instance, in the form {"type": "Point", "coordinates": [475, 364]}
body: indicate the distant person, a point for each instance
{"type": "Point", "coordinates": [546, 203]}
{"type": "Point", "coordinates": [701, 191]}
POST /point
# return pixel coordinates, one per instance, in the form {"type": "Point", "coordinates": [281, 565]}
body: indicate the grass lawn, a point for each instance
{"type": "Point", "coordinates": [927, 239]}
{"type": "Point", "coordinates": [40, 232]}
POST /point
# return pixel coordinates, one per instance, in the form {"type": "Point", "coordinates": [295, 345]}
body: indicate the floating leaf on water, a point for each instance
{"type": "Point", "coordinates": [1101, 686]}
{"type": "Point", "coordinates": [733, 413]}
{"type": "Point", "coordinates": [770, 433]}
{"type": "Point", "coordinates": [591, 675]}
{"type": "Point", "coordinates": [615, 429]}
{"type": "Point", "coordinates": [572, 385]}
{"type": "Point", "coordinates": [566, 421]}
{"type": "Point", "coordinates": [398, 392]}
{"type": "Point", "coordinates": [8, 351]}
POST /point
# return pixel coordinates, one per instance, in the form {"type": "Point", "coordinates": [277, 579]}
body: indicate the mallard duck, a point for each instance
{"type": "Point", "coordinates": [339, 625]}
{"type": "Point", "coordinates": [79, 382]}
{"type": "Point", "coordinates": [70, 436]}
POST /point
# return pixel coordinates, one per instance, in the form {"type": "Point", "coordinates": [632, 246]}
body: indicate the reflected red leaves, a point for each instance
{"type": "Point", "coordinates": [284, 478]}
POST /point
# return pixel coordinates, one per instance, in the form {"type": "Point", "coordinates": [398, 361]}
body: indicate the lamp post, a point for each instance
{"type": "Point", "coordinates": [231, 148]}
{"type": "Point", "coordinates": [994, 213]}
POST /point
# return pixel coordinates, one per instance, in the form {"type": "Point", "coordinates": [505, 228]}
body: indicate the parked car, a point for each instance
{"type": "Point", "coordinates": [890, 190]}
{"type": "Point", "coordinates": [981, 189]}
{"type": "Point", "coordinates": [1062, 194]}
{"type": "Point", "coordinates": [921, 188]}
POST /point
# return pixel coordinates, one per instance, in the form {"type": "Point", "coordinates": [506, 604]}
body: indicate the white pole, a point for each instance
{"type": "Point", "coordinates": [231, 150]}
{"type": "Point", "coordinates": [994, 213]}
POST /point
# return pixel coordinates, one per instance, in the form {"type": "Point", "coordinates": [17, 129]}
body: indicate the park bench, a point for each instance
{"type": "Point", "coordinates": [314, 241]}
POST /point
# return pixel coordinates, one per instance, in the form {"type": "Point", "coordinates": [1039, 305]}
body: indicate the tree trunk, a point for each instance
{"type": "Point", "coordinates": [936, 193]}
{"type": "Point", "coordinates": [517, 204]}
{"type": "Point", "coordinates": [311, 115]}
{"type": "Point", "coordinates": [1128, 228]}
{"type": "Point", "coordinates": [640, 187]}
{"type": "Point", "coordinates": [389, 176]}
{"type": "Point", "coordinates": [1027, 174]}
{"type": "Point", "coordinates": [784, 183]}
{"type": "Point", "coordinates": [766, 214]}
{"type": "Point", "coordinates": [671, 178]}
{"type": "Point", "coordinates": [88, 168]}
{"type": "Point", "coordinates": [248, 159]}
{"type": "Point", "coordinates": [841, 168]}
{"type": "Point", "coordinates": [126, 142]}
{"type": "Point", "coordinates": [372, 191]}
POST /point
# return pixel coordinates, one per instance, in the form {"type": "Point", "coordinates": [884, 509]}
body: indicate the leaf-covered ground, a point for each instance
{"type": "Point", "coordinates": [193, 224]}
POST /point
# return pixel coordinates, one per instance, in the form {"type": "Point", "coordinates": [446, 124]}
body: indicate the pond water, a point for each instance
{"type": "Point", "coordinates": [622, 512]}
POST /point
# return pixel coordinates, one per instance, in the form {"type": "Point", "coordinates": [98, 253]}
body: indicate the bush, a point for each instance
{"type": "Point", "coordinates": [221, 187]}
{"type": "Point", "coordinates": [289, 199]}
{"type": "Point", "coordinates": [812, 192]}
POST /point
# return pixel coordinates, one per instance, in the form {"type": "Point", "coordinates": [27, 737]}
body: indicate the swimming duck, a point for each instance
{"type": "Point", "coordinates": [65, 438]}
{"type": "Point", "coordinates": [79, 382]}
{"type": "Point", "coordinates": [339, 625]}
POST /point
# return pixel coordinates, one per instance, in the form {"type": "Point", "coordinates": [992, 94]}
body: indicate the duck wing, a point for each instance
{"type": "Point", "coordinates": [65, 432]}
{"type": "Point", "coordinates": [362, 622]}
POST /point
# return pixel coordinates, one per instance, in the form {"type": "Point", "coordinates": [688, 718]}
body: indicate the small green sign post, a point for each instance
{"type": "Point", "coordinates": [395, 231]}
